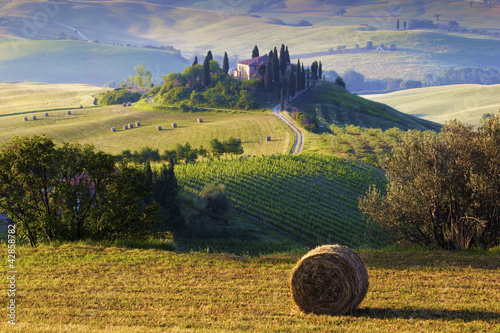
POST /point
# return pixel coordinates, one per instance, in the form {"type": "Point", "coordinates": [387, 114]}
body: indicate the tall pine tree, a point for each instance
{"type": "Point", "coordinates": [268, 78]}
{"type": "Point", "coordinates": [287, 56]}
{"type": "Point", "coordinates": [320, 70]}
{"type": "Point", "coordinates": [299, 77]}
{"type": "Point", "coordinates": [209, 55]}
{"type": "Point", "coordinates": [195, 62]}
{"type": "Point", "coordinates": [206, 71]}
{"type": "Point", "coordinates": [303, 78]}
{"type": "Point", "coordinates": [276, 67]}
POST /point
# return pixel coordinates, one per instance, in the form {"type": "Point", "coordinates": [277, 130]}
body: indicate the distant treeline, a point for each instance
{"type": "Point", "coordinates": [356, 82]}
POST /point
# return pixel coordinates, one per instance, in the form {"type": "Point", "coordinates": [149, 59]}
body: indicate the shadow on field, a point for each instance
{"type": "Point", "coordinates": [427, 314]}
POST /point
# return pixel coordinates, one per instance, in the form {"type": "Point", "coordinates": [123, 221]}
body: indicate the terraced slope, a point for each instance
{"type": "Point", "coordinates": [313, 198]}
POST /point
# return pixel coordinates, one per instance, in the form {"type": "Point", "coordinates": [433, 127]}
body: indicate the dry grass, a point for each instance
{"type": "Point", "coordinates": [94, 289]}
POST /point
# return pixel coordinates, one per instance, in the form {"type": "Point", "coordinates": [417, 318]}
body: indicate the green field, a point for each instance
{"type": "Point", "coordinates": [82, 288]}
{"type": "Point", "coordinates": [78, 61]}
{"type": "Point", "coordinates": [466, 103]}
{"type": "Point", "coordinates": [194, 27]}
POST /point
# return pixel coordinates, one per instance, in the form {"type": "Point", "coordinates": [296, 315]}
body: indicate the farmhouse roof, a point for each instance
{"type": "Point", "coordinates": [255, 61]}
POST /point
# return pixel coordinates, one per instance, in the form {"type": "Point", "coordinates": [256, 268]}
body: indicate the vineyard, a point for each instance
{"type": "Point", "coordinates": [313, 199]}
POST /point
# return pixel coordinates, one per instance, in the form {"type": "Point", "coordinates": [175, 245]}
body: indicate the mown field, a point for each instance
{"type": "Point", "coordinates": [467, 102]}
{"type": "Point", "coordinates": [131, 290]}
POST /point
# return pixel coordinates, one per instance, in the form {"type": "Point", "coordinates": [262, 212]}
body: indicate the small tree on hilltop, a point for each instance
{"type": "Point", "coordinates": [255, 52]}
{"type": "Point", "coordinates": [225, 64]}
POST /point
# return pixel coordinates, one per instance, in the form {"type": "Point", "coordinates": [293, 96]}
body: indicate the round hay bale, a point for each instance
{"type": "Point", "coordinates": [69, 112]}
{"type": "Point", "coordinates": [158, 128]}
{"type": "Point", "coordinates": [125, 127]}
{"type": "Point", "coordinates": [331, 280]}
{"type": "Point", "coordinates": [124, 104]}
{"type": "Point", "coordinates": [200, 120]}
{"type": "Point", "coordinates": [80, 107]}
{"type": "Point", "coordinates": [34, 117]}
{"type": "Point", "coordinates": [25, 118]}
{"type": "Point", "coordinates": [137, 123]}
{"type": "Point", "coordinates": [113, 129]}
{"type": "Point", "coordinates": [174, 125]}
{"type": "Point", "coordinates": [268, 138]}
{"type": "Point", "coordinates": [46, 114]}
{"type": "Point", "coordinates": [130, 125]}
{"type": "Point", "coordinates": [129, 103]}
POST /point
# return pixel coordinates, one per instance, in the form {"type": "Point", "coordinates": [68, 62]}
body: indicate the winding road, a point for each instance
{"type": "Point", "coordinates": [299, 141]}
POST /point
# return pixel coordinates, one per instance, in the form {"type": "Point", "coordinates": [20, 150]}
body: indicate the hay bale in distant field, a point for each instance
{"type": "Point", "coordinates": [238, 139]}
{"type": "Point", "coordinates": [46, 114]}
{"type": "Point", "coordinates": [158, 128]}
{"type": "Point", "coordinates": [268, 138]}
{"type": "Point", "coordinates": [80, 107]}
{"type": "Point", "coordinates": [25, 118]}
{"type": "Point", "coordinates": [124, 104]}
{"type": "Point", "coordinates": [200, 120]}
{"type": "Point", "coordinates": [69, 112]}
{"type": "Point", "coordinates": [130, 125]}
{"type": "Point", "coordinates": [113, 129]}
{"type": "Point", "coordinates": [331, 279]}
{"type": "Point", "coordinates": [174, 125]}
{"type": "Point", "coordinates": [129, 103]}
{"type": "Point", "coordinates": [34, 117]}
{"type": "Point", "coordinates": [125, 127]}
{"type": "Point", "coordinates": [137, 123]}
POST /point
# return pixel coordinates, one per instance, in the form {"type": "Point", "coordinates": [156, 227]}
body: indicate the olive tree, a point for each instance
{"type": "Point", "coordinates": [443, 189]}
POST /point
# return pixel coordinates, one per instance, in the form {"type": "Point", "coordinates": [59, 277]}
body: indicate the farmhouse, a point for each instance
{"type": "Point", "coordinates": [247, 69]}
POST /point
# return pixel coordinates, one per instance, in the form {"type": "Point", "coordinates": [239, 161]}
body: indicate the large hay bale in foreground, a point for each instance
{"type": "Point", "coordinates": [331, 280]}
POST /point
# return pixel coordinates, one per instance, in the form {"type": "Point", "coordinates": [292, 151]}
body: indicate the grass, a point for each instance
{"type": "Point", "coordinates": [124, 290]}
{"type": "Point", "coordinates": [466, 102]}
{"type": "Point", "coordinates": [32, 97]}
{"type": "Point", "coordinates": [92, 125]}
{"type": "Point", "coordinates": [334, 105]}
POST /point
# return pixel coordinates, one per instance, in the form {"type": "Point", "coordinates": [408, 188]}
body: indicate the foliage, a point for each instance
{"type": "Point", "coordinates": [118, 96]}
{"type": "Point", "coordinates": [444, 188]}
{"type": "Point", "coordinates": [215, 197]}
{"type": "Point", "coordinates": [71, 192]}
{"type": "Point", "coordinates": [143, 77]}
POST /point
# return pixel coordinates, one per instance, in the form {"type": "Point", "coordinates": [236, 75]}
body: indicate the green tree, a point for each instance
{"type": "Point", "coordinates": [354, 81]}
{"type": "Point", "coordinates": [142, 78]}
{"type": "Point", "coordinates": [195, 62]}
{"type": "Point", "coordinates": [217, 148]}
{"type": "Point", "coordinates": [268, 77]}
{"type": "Point", "coordinates": [340, 82]}
{"type": "Point", "coordinates": [255, 52]}
{"type": "Point", "coordinates": [206, 72]}
{"type": "Point", "coordinates": [444, 189]}
{"type": "Point", "coordinates": [283, 64]}
{"type": "Point", "coordinates": [314, 72]}
{"type": "Point", "coordinates": [233, 147]}
{"type": "Point", "coordinates": [261, 69]}
{"type": "Point", "coordinates": [166, 190]}
{"type": "Point", "coordinates": [320, 70]}
{"type": "Point", "coordinates": [225, 64]}
{"type": "Point", "coordinates": [215, 197]}
{"type": "Point", "coordinates": [292, 82]}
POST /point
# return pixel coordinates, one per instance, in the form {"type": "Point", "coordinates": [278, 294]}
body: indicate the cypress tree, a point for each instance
{"type": "Point", "coordinates": [282, 60]}
{"type": "Point", "coordinates": [287, 56]}
{"type": "Point", "coordinates": [298, 78]}
{"type": "Point", "coordinates": [291, 82]}
{"type": "Point", "coordinates": [209, 55]}
{"type": "Point", "coordinates": [276, 67]}
{"type": "Point", "coordinates": [195, 62]}
{"type": "Point", "coordinates": [303, 79]}
{"type": "Point", "coordinates": [320, 70]}
{"type": "Point", "coordinates": [206, 72]}
{"type": "Point", "coordinates": [314, 71]}
{"type": "Point", "coordinates": [397, 24]}
{"type": "Point", "coordinates": [255, 52]}
{"type": "Point", "coordinates": [308, 72]}
{"type": "Point", "coordinates": [225, 64]}
{"type": "Point", "coordinates": [268, 78]}
{"type": "Point", "coordinates": [148, 199]}
{"type": "Point", "coordinates": [282, 101]}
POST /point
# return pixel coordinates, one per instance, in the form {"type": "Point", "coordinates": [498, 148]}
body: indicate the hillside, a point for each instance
{"type": "Point", "coordinates": [466, 103]}
{"type": "Point", "coordinates": [332, 104]}
{"type": "Point", "coordinates": [78, 61]}
{"type": "Point", "coordinates": [197, 26]}
{"type": "Point", "coordinates": [123, 290]}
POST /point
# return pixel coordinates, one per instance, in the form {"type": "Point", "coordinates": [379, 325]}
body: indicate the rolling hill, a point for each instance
{"type": "Point", "coordinates": [194, 27]}
{"type": "Point", "coordinates": [466, 103]}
